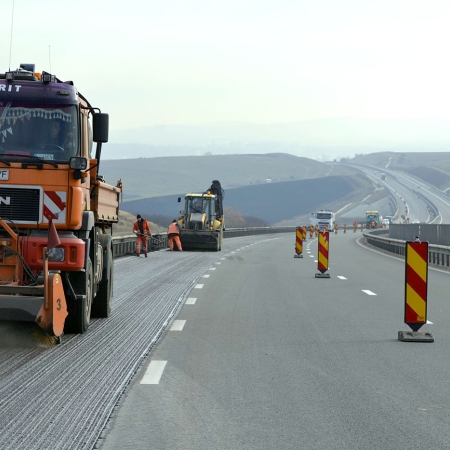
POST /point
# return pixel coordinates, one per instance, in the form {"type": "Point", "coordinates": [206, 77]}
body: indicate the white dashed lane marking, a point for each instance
{"type": "Point", "coordinates": [368, 292]}
{"type": "Point", "coordinates": [341, 277]}
{"type": "Point", "coordinates": [198, 286]}
{"type": "Point", "coordinates": [191, 301]}
{"type": "Point", "coordinates": [154, 372]}
{"type": "Point", "coordinates": [205, 276]}
{"type": "Point", "coordinates": [178, 325]}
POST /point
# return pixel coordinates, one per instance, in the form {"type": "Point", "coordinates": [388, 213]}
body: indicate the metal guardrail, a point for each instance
{"type": "Point", "coordinates": [438, 255]}
{"type": "Point", "coordinates": [126, 245]}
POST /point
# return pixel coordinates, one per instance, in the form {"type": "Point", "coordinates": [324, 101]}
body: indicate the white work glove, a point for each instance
{"type": "Point", "coordinates": [135, 232]}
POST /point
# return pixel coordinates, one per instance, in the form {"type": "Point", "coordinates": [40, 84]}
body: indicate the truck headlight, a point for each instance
{"type": "Point", "coordinates": [78, 163]}
{"type": "Point", "coordinates": [57, 254]}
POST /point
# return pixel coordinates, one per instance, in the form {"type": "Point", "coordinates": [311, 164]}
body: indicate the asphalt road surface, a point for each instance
{"type": "Point", "coordinates": [263, 355]}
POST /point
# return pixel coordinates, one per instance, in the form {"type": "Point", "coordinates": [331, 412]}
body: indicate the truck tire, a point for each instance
{"type": "Point", "coordinates": [102, 302]}
{"type": "Point", "coordinates": [79, 310]}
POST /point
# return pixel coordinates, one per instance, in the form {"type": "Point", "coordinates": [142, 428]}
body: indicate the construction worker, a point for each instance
{"type": "Point", "coordinates": [336, 228]}
{"type": "Point", "coordinates": [345, 228]}
{"type": "Point", "coordinates": [142, 231]}
{"type": "Point", "coordinates": [173, 232]}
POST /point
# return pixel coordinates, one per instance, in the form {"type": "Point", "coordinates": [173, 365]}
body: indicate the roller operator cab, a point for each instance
{"type": "Point", "coordinates": [202, 222]}
{"type": "Point", "coordinates": [50, 186]}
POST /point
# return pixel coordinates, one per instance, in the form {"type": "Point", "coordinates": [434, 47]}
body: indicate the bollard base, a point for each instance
{"type": "Point", "coordinates": [322, 275]}
{"type": "Point", "coordinates": [415, 336]}
{"type": "Point", "coordinates": [298, 255]}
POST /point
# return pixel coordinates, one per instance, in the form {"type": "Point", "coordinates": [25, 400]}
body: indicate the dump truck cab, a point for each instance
{"type": "Point", "coordinates": [49, 177]}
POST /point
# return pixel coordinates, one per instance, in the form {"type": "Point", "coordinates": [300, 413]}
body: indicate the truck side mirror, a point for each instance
{"type": "Point", "coordinates": [179, 199]}
{"type": "Point", "coordinates": [100, 124]}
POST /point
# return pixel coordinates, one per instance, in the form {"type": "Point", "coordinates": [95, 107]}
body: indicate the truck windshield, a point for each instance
{"type": "Point", "coordinates": [195, 205]}
{"type": "Point", "coordinates": [47, 132]}
{"type": "Point", "coordinates": [201, 205]}
{"type": "Point", "coordinates": [324, 216]}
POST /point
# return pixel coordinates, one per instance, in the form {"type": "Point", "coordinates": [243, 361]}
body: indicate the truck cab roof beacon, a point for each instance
{"type": "Point", "coordinates": [51, 192]}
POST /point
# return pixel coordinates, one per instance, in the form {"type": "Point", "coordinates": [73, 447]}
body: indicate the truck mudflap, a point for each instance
{"type": "Point", "coordinates": [45, 306]}
{"type": "Point", "coordinates": [208, 240]}
{"type": "Point", "coordinates": [53, 312]}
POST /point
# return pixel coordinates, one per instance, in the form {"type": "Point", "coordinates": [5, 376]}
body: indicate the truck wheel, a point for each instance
{"type": "Point", "coordinates": [102, 303]}
{"type": "Point", "coordinates": [79, 310]}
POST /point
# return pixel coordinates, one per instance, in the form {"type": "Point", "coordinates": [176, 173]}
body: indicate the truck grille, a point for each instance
{"type": "Point", "coordinates": [19, 205]}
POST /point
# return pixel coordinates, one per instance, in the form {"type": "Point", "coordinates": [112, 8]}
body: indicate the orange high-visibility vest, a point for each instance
{"type": "Point", "coordinates": [173, 229]}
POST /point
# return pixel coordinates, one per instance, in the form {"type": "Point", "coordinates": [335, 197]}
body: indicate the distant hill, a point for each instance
{"type": "Point", "coordinates": [271, 202]}
{"type": "Point", "coordinates": [276, 188]}
{"type": "Point", "coordinates": [155, 177]}
{"type": "Point", "coordinates": [321, 139]}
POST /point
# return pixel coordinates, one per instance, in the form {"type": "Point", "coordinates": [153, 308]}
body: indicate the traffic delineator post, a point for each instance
{"type": "Point", "coordinates": [298, 242]}
{"type": "Point", "coordinates": [416, 287]}
{"type": "Point", "coordinates": [304, 232]}
{"type": "Point", "coordinates": [311, 231]}
{"type": "Point", "coordinates": [322, 259]}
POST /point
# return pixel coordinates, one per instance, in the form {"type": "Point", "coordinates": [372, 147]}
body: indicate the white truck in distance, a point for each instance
{"type": "Point", "coordinates": [323, 218]}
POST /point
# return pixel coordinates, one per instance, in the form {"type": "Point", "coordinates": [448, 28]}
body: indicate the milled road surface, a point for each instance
{"type": "Point", "coordinates": [61, 397]}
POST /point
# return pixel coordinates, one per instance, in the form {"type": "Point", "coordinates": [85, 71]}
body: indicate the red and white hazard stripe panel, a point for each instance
{"type": "Point", "coordinates": [55, 206]}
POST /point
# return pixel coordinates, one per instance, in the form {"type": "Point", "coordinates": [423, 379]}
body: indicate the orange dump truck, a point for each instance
{"type": "Point", "coordinates": [56, 211]}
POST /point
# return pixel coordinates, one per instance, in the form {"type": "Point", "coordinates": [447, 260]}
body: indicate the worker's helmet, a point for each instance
{"type": "Point", "coordinates": [174, 221]}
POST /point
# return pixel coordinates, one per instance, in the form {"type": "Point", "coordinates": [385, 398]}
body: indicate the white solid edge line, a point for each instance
{"type": "Point", "coordinates": [154, 372]}
{"type": "Point", "coordinates": [198, 286]}
{"type": "Point", "coordinates": [366, 291]}
{"type": "Point", "coordinates": [178, 325]}
{"type": "Point", "coordinates": [191, 301]}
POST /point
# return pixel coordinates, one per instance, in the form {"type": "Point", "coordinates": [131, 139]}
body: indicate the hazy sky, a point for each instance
{"type": "Point", "coordinates": [203, 61]}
